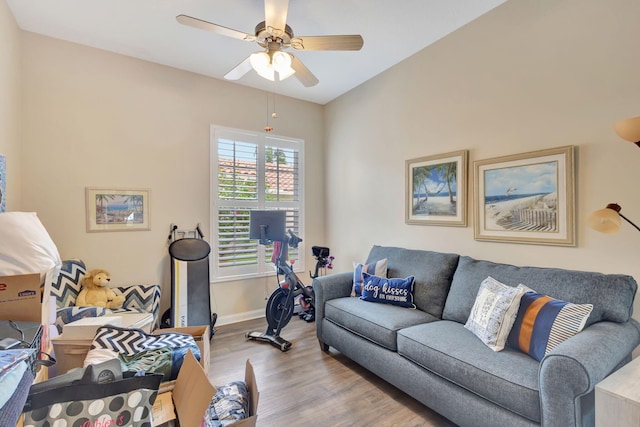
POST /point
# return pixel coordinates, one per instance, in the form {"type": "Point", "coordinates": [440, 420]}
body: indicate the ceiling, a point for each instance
{"type": "Point", "coordinates": [147, 29]}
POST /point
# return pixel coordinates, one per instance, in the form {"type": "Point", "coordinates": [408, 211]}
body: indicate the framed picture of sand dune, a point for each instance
{"type": "Point", "coordinates": [526, 198]}
{"type": "Point", "coordinates": [436, 189]}
{"type": "Point", "coordinates": [117, 209]}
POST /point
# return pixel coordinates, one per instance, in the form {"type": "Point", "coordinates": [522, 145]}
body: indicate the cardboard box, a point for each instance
{"type": "Point", "coordinates": [192, 394]}
{"type": "Point", "coordinates": [201, 336]}
{"type": "Point", "coordinates": [20, 297]}
{"type": "Point", "coordinates": [70, 353]}
{"type": "Point", "coordinates": [87, 327]}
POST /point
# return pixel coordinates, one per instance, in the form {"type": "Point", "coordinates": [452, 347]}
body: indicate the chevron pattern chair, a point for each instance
{"type": "Point", "coordinates": [65, 290]}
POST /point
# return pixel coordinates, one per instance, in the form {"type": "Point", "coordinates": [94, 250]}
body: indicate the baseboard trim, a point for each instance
{"type": "Point", "coordinates": [240, 317]}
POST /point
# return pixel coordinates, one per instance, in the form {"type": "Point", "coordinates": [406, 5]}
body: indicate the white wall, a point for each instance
{"type": "Point", "coordinates": [94, 118]}
{"type": "Point", "coordinates": [526, 76]}
{"type": "Point", "coordinates": [10, 104]}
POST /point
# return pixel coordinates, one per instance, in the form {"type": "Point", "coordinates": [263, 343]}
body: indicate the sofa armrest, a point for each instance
{"type": "Point", "coordinates": [574, 367]}
{"type": "Point", "coordinates": [326, 288]}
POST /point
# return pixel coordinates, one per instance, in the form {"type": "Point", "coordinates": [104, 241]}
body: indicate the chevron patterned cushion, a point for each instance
{"type": "Point", "coordinates": [66, 289]}
{"type": "Point", "coordinates": [132, 342]}
{"type": "Point", "coordinates": [140, 298]}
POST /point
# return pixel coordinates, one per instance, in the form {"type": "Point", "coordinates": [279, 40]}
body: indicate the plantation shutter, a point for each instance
{"type": "Point", "coordinates": [252, 171]}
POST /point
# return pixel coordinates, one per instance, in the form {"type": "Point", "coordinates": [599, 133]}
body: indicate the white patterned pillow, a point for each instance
{"type": "Point", "coordinates": [494, 312]}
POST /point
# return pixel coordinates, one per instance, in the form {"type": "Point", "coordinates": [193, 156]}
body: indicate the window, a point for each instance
{"type": "Point", "coordinates": [252, 171]}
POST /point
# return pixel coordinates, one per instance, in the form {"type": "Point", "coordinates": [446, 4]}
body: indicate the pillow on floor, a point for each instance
{"type": "Point", "coordinates": [544, 322]}
{"type": "Point", "coordinates": [388, 291]}
{"type": "Point", "coordinates": [378, 268]}
{"type": "Point", "coordinates": [494, 312]}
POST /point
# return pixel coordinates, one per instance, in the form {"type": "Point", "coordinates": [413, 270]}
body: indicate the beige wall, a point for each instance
{"type": "Point", "coordinates": [526, 76]}
{"type": "Point", "coordinates": [10, 104]}
{"type": "Point", "coordinates": [529, 75]}
{"type": "Point", "coordinates": [94, 118]}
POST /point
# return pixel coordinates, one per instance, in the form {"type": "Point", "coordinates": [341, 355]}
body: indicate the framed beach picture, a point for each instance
{"type": "Point", "coordinates": [526, 198]}
{"type": "Point", "coordinates": [436, 189]}
{"type": "Point", "coordinates": [114, 209]}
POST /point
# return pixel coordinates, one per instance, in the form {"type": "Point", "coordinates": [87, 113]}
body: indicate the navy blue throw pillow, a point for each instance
{"type": "Point", "coordinates": [388, 291]}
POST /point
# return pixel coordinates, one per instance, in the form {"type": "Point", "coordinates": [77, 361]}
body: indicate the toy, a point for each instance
{"type": "Point", "coordinates": [95, 291]}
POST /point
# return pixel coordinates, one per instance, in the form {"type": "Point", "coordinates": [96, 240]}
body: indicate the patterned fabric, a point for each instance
{"type": "Point", "coordinates": [388, 291]}
{"type": "Point", "coordinates": [378, 268]}
{"type": "Point", "coordinates": [130, 342]}
{"type": "Point", "coordinates": [66, 289]}
{"type": "Point", "coordinates": [125, 402]}
{"type": "Point", "coordinates": [71, 314]}
{"type": "Point", "coordinates": [229, 404]}
{"type": "Point", "coordinates": [543, 323]}
{"type": "Point", "coordinates": [140, 298]}
{"type": "Point", "coordinates": [494, 312]}
{"type": "Point", "coordinates": [157, 360]}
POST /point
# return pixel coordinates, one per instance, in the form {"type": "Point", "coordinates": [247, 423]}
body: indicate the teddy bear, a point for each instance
{"type": "Point", "coordinates": [95, 291]}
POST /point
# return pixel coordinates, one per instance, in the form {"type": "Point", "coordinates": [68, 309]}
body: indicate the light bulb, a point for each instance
{"type": "Point", "coordinates": [261, 62]}
{"type": "Point", "coordinates": [282, 64]}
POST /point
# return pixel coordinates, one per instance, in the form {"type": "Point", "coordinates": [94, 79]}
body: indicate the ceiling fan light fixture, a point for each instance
{"type": "Point", "coordinates": [282, 64]}
{"type": "Point", "coordinates": [261, 62]}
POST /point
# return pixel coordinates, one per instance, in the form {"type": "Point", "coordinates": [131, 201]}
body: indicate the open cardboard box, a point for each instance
{"type": "Point", "coordinates": [20, 297]}
{"type": "Point", "coordinates": [200, 335]}
{"type": "Point", "coordinates": [192, 393]}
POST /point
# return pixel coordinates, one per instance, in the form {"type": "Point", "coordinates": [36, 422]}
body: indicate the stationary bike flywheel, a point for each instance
{"type": "Point", "coordinates": [276, 305]}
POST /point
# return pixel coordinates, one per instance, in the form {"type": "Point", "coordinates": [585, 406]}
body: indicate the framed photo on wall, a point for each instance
{"type": "Point", "coordinates": [526, 198]}
{"type": "Point", "coordinates": [436, 189]}
{"type": "Point", "coordinates": [117, 209]}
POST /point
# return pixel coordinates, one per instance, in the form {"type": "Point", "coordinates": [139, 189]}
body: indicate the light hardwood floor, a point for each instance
{"type": "Point", "coordinates": [307, 387]}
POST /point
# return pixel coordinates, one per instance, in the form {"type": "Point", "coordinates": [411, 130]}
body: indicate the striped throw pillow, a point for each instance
{"type": "Point", "coordinates": [378, 268]}
{"type": "Point", "coordinates": [544, 322]}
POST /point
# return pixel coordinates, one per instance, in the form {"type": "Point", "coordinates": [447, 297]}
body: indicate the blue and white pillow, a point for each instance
{"type": "Point", "coordinates": [543, 323]}
{"type": "Point", "coordinates": [388, 291]}
{"type": "Point", "coordinates": [494, 312]}
{"type": "Point", "coordinates": [378, 268]}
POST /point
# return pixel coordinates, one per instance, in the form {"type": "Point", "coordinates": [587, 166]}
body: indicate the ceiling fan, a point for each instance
{"type": "Point", "coordinates": [274, 36]}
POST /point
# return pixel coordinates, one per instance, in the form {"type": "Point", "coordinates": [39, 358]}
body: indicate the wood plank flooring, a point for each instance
{"type": "Point", "coordinates": [307, 387]}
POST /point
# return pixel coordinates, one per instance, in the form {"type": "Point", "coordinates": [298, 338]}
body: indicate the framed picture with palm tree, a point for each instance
{"type": "Point", "coordinates": [436, 189]}
{"type": "Point", "coordinates": [117, 209]}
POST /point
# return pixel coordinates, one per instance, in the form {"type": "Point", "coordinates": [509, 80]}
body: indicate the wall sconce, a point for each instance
{"type": "Point", "coordinates": [629, 130]}
{"type": "Point", "coordinates": [607, 220]}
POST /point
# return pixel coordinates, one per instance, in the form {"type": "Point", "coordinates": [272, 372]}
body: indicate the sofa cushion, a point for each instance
{"type": "Point", "coordinates": [377, 268]}
{"type": "Point", "coordinates": [388, 291]}
{"type": "Point", "coordinates": [543, 323]}
{"type": "Point", "coordinates": [494, 312]}
{"type": "Point", "coordinates": [432, 273]}
{"type": "Point", "coordinates": [508, 378]}
{"type": "Point", "coordinates": [611, 294]}
{"type": "Point", "coordinates": [376, 322]}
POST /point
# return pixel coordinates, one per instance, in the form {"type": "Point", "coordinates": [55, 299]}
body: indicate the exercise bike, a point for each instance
{"type": "Point", "coordinates": [281, 303]}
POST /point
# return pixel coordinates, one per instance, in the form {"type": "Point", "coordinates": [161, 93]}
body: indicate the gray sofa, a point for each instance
{"type": "Point", "coordinates": [429, 354]}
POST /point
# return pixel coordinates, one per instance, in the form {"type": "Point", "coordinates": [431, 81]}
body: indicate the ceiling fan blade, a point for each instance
{"type": "Point", "coordinates": [239, 70]}
{"type": "Point", "coordinates": [347, 42]}
{"type": "Point", "coordinates": [302, 73]}
{"type": "Point", "coordinates": [275, 16]}
{"type": "Point", "coordinates": [214, 28]}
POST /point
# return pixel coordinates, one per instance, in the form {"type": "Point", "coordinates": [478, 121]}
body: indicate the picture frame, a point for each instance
{"type": "Point", "coordinates": [526, 198]}
{"type": "Point", "coordinates": [117, 209]}
{"type": "Point", "coordinates": [436, 189]}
